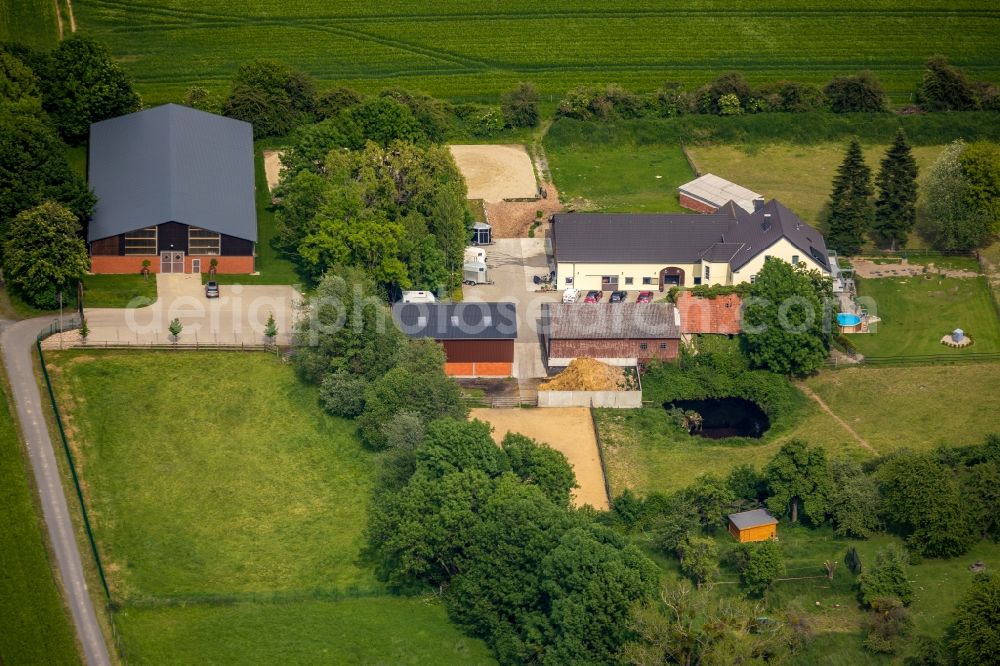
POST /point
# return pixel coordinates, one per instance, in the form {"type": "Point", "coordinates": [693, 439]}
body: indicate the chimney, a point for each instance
{"type": "Point", "coordinates": [758, 203]}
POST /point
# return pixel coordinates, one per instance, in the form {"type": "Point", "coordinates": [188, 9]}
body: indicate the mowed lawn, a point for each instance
{"type": "Point", "coordinates": [34, 623]}
{"type": "Point", "coordinates": [916, 312]}
{"type": "Point", "coordinates": [800, 176]}
{"type": "Point", "coordinates": [470, 50]}
{"type": "Point", "coordinates": [619, 178]}
{"type": "Point", "coordinates": [229, 512]}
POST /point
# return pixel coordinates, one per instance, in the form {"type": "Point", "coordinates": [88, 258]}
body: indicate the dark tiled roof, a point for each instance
{"type": "Point", "coordinates": [730, 234]}
{"type": "Point", "coordinates": [457, 321]}
{"type": "Point", "coordinates": [610, 321]}
{"type": "Point", "coordinates": [172, 164]}
{"type": "Point", "coordinates": [721, 252]}
{"type": "Point", "coordinates": [721, 314]}
{"type": "Point", "coordinates": [633, 238]}
{"type": "Point", "coordinates": [756, 518]}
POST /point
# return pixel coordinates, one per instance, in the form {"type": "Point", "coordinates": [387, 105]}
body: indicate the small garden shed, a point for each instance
{"type": "Point", "coordinates": [756, 525]}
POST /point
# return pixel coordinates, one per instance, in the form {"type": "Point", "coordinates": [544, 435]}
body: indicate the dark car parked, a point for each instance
{"type": "Point", "coordinates": [211, 289]}
{"type": "Point", "coordinates": [619, 296]}
{"type": "Point", "coordinates": [593, 297]}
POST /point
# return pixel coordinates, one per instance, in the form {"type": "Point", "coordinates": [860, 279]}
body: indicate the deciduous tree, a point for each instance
{"type": "Point", "coordinates": [82, 85]}
{"type": "Point", "coordinates": [886, 577]}
{"type": "Point", "coordinates": [520, 106]}
{"type": "Point", "coordinates": [952, 218]}
{"type": "Point", "coordinates": [851, 211]}
{"type": "Point", "coordinates": [896, 205]}
{"type": "Point", "coordinates": [784, 329]}
{"type": "Point", "coordinates": [760, 564]}
{"type": "Point", "coordinates": [44, 254]}
{"type": "Point", "coordinates": [699, 558]}
{"type": "Point", "coordinates": [271, 96]}
{"type": "Point", "coordinates": [858, 93]}
{"type": "Point", "coordinates": [542, 465]}
{"type": "Point", "coordinates": [974, 639]}
{"type": "Point", "coordinates": [798, 474]}
{"type": "Point", "coordinates": [855, 501]}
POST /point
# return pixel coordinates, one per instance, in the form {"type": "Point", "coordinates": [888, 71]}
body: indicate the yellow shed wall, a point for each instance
{"type": "Point", "coordinates": [762, 533]}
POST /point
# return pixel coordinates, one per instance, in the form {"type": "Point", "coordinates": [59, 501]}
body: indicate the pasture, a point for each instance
{"type": "Point", "coordinates": [800, 176]}
{"type": "Point", "coordinates": [619, 177]}
{"type": "Point", "coordinates": [467, 50]}
{"type": "Point", "coordinates": [890, 408]}
{"type": "Point", "coordinates": [215, 478]}
{"type": "Point", "coordinates": [36, 627]}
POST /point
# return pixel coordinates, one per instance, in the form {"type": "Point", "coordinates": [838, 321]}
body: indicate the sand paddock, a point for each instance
{"type": "Point", "coordinates": [569, 430]}
{"type": "Point", "coordinates": [272, 168]}
{"type": "Point", "coordinates": [495, 173]}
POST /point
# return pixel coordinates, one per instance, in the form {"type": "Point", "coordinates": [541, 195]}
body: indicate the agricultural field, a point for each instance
{"type": "Point", "coordinates": [619, 178]}
{"type": "Point", "coordinates": [916, 312]}
{"type": "Point", "coordinates": [465, 50]}
{"type": "Point", "coordinates": [800, 176]}
{"type": "Point", "coordinates": [229, 510]}
{"type": "Point", "coordinates": [31, 22]}
{"type": "Point", "coordinates": [36, 627]}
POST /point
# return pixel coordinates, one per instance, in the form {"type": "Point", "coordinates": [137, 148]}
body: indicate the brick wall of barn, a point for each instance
{"type": "Point", "coordinates": [691, 203]}
{"type": "Point", "coordinates": [621, 348]}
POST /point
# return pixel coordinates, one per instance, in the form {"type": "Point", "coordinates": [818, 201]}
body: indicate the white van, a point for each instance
{"type": "Point", "coordinates": [570, 295]}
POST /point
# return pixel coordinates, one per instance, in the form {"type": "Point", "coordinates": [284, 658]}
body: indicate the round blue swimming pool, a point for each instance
{"type": "Point", "coordinates": [848, 319]}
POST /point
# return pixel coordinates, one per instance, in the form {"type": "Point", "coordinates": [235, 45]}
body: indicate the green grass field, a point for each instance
{"type": "Point", "coordinates": [891, 408]}
{"type": "Point", "coordinates": [31, 22]}
{"type": "Point", "coordinates": [916, 312]}
{"type": "Point", "coordinates": [379, 630]}
{"type": "Point", "coordinates": [35, 623]}
{"type": "Point", "coordinates": [229, 513]}
{"type": "Point", "coordinates": [618, 178]}
{"type": "Point", "coordinates": [469, 50]}
{"type": "Point", "coordinates": [801, 177]}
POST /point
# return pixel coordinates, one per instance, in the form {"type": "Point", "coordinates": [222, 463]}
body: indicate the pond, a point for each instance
{"type": "Point", "coordinates": [725, 417]}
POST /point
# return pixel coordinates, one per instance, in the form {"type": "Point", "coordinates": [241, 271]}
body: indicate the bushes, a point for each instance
{"type": "Point", "coordinates": [886, 578]}
{"type": "Point", "coordinates": [760, 564]}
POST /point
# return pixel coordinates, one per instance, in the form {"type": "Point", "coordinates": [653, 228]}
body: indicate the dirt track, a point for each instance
{"type": "Point", "coordinates": [568, 430]}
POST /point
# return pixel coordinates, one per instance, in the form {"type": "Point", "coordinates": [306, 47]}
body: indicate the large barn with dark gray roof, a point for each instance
{"type": "Point", "coordinates": [626, 251]}
{"type": "Point", "coordinates": [175, 187]}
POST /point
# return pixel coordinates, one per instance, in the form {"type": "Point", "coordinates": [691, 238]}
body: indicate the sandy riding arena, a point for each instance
{"type": "Point", "coordinates": [495, 173]}
{"type": "Point", "coordinates": [569, 430]}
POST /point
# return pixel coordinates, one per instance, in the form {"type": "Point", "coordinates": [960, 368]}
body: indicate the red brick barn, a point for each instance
{"type": "Point", "coordinates": [478, 338]}
{"type": "Point", "coordinates": [708, 193]}
{"type": "Point", "coordinates": [720, 315]}
{"type": "Point", "coordinates": [175, 187]}
{"type": "Point", "coordinates": [614, 333]}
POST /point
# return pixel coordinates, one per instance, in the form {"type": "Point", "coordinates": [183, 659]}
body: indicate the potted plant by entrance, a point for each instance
{"type": "Point", "coordinates": [146, 263]}
{"type": "Point", "coordinates": [213, 266]}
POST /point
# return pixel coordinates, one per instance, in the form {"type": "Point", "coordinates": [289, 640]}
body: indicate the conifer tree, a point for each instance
{"type": "Point", "coordinates": [851, 209]}
{"type": "Point", "coordinates": [896, 205]}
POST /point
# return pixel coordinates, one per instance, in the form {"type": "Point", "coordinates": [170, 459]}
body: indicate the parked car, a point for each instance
{"type": "Point", "coordinates": [619, 296]}
{"type": "Point", "coordinates": [593, 297]}
{"type": "Point", "coordinates": [211, 289]}
{"type": "Point", "coordinates": [645, 297]}
{"type": "Point", "coordinates": [570, 295]}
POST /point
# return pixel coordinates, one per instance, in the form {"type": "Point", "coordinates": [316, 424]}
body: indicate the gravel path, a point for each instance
{"type": "Point", "coordinates": [16, 341]}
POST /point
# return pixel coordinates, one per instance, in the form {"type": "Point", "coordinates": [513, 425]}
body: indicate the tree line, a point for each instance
{"type": "Point", "coordinates": [960, 210]}
{"type": "Point", "coordinates": [940, 502]}
{"type": "Point", "coordinates": [49, 100]}
{"type": "Point", "coordinates": [942, 88]}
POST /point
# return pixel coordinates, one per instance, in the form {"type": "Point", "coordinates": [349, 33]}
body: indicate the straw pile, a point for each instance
{"type": "Point", "coordinates": [587, 374]}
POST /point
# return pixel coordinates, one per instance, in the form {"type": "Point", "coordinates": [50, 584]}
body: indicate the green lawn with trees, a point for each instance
{"type": "Point", "coordinates": [463, 51]}
{"type": "Point", "coordinates": [259, 499]}
{"type": "Point", "coordinates": [916, 312]}
{"type": "Point", "coordinates": [36, 624]}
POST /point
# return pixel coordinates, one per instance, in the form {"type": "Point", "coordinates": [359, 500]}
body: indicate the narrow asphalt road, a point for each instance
{"type": "Point", "coordinates": [16, 341]}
